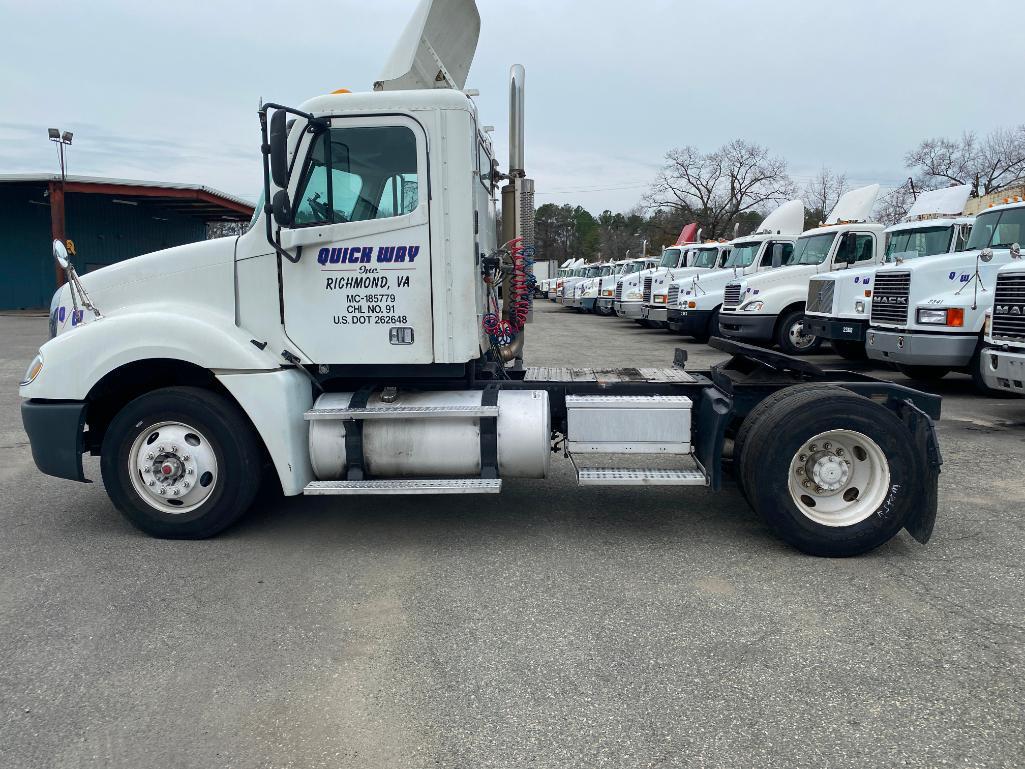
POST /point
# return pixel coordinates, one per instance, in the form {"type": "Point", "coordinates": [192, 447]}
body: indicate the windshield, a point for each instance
{"type": "Point", "coordinates": [743, 254]}
{"type": "Point", "coordinates": [912, 244]}
{"type": "Point", "coordinates": [606, 271]}
{"type": "Point", "coordinates": [593, 272]}
{"type": "Point", "coordinates": [632, 267]}
{"type": "Point", "coordinates": [812, 250]}
{"type": "Point", "coordinates": [670, 257]}
{"type": "Point", "coordinates": [999, 229]}
{"type": "Point", "coordinates": [705, 257]}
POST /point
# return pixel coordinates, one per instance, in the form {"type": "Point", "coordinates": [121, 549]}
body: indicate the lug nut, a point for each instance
{"type": "Point", "coordinates": [186, 458]}
{"type": "Point", "coordinates": [827, 445]}
{"type": "Point", "coordinates": [803, 458]}
{"type": "Point", "coordinates": [163, 491]}
{"type": "Point", "coordinates": [800, 471]}
{"type": "Point", "coordinates": [152, 483]}
{"type": "Point", "coordinates": [813, 447]}
{"type": "Point", "coordinates": [176, 492]}
{"type": "Point", "coordinates": [819, 490]}
{"type": "Point", "coordinates": [149, 456]}
{"type": "Point", "coordinates": [189, 471]}
{"type": "Point", "coordinates": [185, 484]}
{"type": "Point", "coordinates": [806, 483]}
{"type": "Point", "coordinates": [174, 449]}
{"type": "Point", "coordinates": [146, 470]}
{"type": "Point", "coordinates": [839, 451]}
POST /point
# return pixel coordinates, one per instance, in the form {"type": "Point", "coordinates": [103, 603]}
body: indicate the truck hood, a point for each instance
{"type": "Point", "coordinates": [780, 276]}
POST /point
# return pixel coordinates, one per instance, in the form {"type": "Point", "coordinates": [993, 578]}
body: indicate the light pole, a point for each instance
{"type": "Point", "coordinates": [62, 140]}
{"type": "Point", "coordinates": [644, 245]}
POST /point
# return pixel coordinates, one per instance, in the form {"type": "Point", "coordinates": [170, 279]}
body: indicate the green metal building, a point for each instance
{"type": "Point", "coordinates": [108, 220]}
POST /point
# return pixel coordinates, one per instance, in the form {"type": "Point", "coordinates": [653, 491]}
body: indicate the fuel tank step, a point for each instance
{"type": "Point", "coordinates": [629, 476]}
{"type": "Point", "coordinates": [402, 412]}
{"type": "Point", "coordinates": [447, 486]}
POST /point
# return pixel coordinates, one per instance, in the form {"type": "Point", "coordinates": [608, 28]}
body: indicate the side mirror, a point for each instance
{"type": "Point", "coordinates": [777, 255]}
{"type": "Point", "coordinates": [986, 254]}
{"type": "Point", "coordinates": [1015, 251]}
{"type": "Point", "coordinates": [282, 207]}
{"type": "Point", "coordinates": [60, 253]}
{"type": "Point", "coordinates": [278, 140]}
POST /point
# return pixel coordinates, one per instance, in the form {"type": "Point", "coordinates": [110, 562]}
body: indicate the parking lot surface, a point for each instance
{"type": "Point", "coordinates": [552, 626]}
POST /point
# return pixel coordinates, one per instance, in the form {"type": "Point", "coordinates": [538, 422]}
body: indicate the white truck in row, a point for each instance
{"type": "Point", "coordinates": [695, 260]}
{"type": "Point", "coordinates": [1003, 361]}
{"type": "Point", "coordinates": [839, 303]}
{"type": "Point", "coordinates": [769, 306]}
{"type": "Point", "coordinates": [585, 293]}
{"type": "Point", "coordinates": [928, 315]}
{"type": "Point", "coordinates": [351, 343]}
{"type": "Point", "coordinates": [610, 287]}
{"type": "Point", "coordinates": [693, 304]}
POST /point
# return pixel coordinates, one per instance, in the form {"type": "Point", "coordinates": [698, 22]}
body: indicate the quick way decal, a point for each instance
{"type": "Point", "coordinates": [366, 255]}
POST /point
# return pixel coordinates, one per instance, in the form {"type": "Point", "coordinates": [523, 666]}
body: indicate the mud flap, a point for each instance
{"type": "Point", "coordinates": [922, 427]}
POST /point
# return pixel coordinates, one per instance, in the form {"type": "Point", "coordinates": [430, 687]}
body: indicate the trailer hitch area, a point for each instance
{"type": "Point", "coordinates": [745, 354]}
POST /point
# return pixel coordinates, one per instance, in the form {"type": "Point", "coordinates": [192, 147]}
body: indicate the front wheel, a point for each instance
{"type": "Point", "coordinates": [831, 472]}
{"type": "Point", "coordinates": [793, 338]}
{"type": "Point", "coordinates": [181, 463]}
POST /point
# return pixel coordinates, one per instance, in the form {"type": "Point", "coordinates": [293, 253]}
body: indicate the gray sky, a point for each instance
{"type": "Point", "coordinates": [169, 90]}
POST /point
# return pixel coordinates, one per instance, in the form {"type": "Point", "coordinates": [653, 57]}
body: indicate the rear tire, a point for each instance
{"type": "Point", "coordinates": [791, 336]}
{"type": "Point", "coordinates": [190, 443]}
{"type": "Point", "coordinates": [832, 473]}
{"type": "Point", "coordinates": [849, 350]}
{"type": "Point", "coordinates": [923, 373]}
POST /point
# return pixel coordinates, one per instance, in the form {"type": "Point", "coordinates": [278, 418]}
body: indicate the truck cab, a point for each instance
{"type": "Point", "coordinates": [603, 305]}
{"type": "Point", "coordinates": [927, 315]}
{"type": "Point", "coordinates": [693, 303]}
{"type": "Point", "coordinates": [839, 304]}
{"type": "Point", "coordinates": [547, 286]}
{"type": "Point", "coordinates": [630, 289]}
{"type": "Point", "coordinates": [696, 260]}
{"type": "Point", "coordinates": [569, 284]}
{"type": "Point", "coordinates": [1003, 360]}
{"type": "Point", "coordinates": [770, 306]}
{"type": "Point", "coordinates": [585, 293]}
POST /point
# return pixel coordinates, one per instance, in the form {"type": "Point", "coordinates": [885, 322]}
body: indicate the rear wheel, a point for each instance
{"type": "Point", "coordinates": [849, 350]}
{"type": "Point", "coordinates": [832, 473]}
{"type": "Point", "coordinates": [923, 373]}
{"type": "Point", "coordinates": [181, 463]}
{"type": "Point", "coordinates": [793, 338]}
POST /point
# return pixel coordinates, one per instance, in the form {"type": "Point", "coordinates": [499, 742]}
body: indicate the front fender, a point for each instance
{"type": "Point", "coordinates": [75, 361]}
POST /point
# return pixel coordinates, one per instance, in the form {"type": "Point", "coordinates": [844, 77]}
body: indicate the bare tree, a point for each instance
{"type": "Point", "coordinates": [821, 194]}
{"type": "Point", "coordinates": [988, 164]}
{"type": "Point", "coordinates": [894, 205]}
{"type": "Point", "coordinates": [715, 189]}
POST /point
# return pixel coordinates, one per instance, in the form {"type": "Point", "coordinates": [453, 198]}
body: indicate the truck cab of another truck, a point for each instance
{"type": "Point", "coordinates": [1003, 361]}
{"type": "Point", "coordinates": [630, 289]}
{"type": "Point", "coordinates": [700, 260]}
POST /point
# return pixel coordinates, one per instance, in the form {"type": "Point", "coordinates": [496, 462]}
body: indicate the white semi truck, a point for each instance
{"type": "Point", "coordinates": [693, 303]}
{"type": "Point", "coordinates": [770, 306]}
{"type": "Point", "coordinates": [839, 303]}
{"type": "Point", "coordinates": [695, 260]}
{"type": "Point", "coordinates": [575, 267]}
{"type": "Point", "coordinates": [569, 284]}
{"type": "Point", "coordinates": [350, 343]}
{"type": "Point", "coordinates": [928, 315]}
{"type": "Point", "coordinates": [605, 305]}
{"type": "Point", "coordinates": [585, 293]}
{"type": "Point", "coordinates": [1003, 364]}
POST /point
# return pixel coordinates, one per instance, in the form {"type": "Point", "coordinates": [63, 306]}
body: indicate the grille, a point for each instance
{"type": "Point", "coordinates": [890, 298]}
{"type": "Point", "coordinates": [731, 297]}
{"type": "Point", "coordinates": [619, 291]}
{"type": "Point", "coordinates": [1009, 307]}
{"type": "Point", "coordinates": [674, 294]}
{"type": "Point", "coordinates": [647, 290]}
{"type": "Point", "coordinates": [820, 296]}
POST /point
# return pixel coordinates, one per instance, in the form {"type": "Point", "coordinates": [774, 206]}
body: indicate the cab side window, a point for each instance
{"type": "Point", "coordinates": [788, 250]}
{"type": "Point", "coordinates": [864, 248]}
{"type": "Point", "coordinates": [358, 174]}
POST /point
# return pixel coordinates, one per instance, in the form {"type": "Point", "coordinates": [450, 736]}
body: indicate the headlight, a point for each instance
{"type": "Point", "coordinates": [952, 316]}
{"type": "Point", "coordinates": [859, 306]}
{"type": "Point", "coordinates": [606, 293]}
{"type": "Point", "coordinates": [633, 295]}
{"type": "Point", "coordinates": [32, 371]}
{"type": "Point", "coordinates": [753, 306]}
{"type": "Point", "coordinates": [660, 298]}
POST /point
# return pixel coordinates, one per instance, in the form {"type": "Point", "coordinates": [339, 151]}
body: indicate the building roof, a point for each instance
{"type": "Point", "coordinates": [191, 199]}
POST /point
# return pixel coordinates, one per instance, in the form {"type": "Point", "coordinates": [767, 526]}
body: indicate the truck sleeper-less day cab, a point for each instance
{"type": "Point", "coordinates": [349, 340]}
{"type": "Point", "coordinates": [1004, 360]}
{"type": "Point", "coordinates": [928, 315]}
{"type": "Point", "coordinates": [585, 293]}
{"type": "Point", "coordinates": [607, 287]}
{"type": "Point", "coordinates": [693, 303]}
{"type": "Point", "coordinates": [769, 306]}
{"type": "Point", "coordinates": [568, 288]}
{"type": "Point", "coordinates": [839, 303]}
{"type": "Point", "coordinates": [696, 260]}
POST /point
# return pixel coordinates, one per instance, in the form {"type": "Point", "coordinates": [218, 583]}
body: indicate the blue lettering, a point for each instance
{"type": "Point", "coordinates": [322, 256]}
{"type": "Point", "coordinates": [400, 253]}
{"type": "Point", "coordinates": [412, 253]}
{"type": "Point", "coordinates": [368, 251]}
{"type": "Point", "coordinates": [386, 254]}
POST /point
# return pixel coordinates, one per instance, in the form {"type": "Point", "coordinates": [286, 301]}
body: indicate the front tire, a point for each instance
{"type": "Point", "coordinates": [791, 336]}
{"type": "Point", "coordinates": [181, 463]}
{"type": "Point", "coordinates": [832, 473]}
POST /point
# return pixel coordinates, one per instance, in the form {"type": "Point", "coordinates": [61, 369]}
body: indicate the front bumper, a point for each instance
{"type": "Point", "coordinates": [833, 328]}
{"type": "Point", "coordinates": [56, 431]}
{"type": "Point", "coordinates": [586, 303]}
{"type": "Point", "coordinates": [690, 322]}
{"type": "Point", "coordinates": [628, 309]}
{"type": "Point", "coordinates": [742, 325]}
{"type": "Point", "coordinates": [657, 313]}
{"type": "Point", "coordinates": [604, 303]}
{"type": "Point", "coordinates": [1003, 370]}
{"type": "Point", "coordinates": [571, 301]}
{"type": "Point", "coordinates": [917, 349]}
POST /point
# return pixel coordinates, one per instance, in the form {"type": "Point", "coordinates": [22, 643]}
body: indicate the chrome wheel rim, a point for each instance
{"type": "Point", "coordinates": [839, 478]}
{"type": "Point", "coordinates": [798, 338]}
{"type": "Point", "coordinates": [173, 467]}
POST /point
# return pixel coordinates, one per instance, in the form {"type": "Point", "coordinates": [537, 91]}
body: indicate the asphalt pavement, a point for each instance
{"type": "Point", "coordinates": [552, 626]}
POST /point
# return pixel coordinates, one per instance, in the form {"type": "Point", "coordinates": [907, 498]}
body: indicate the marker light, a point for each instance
{"type": "Point", "coordinates": [33, 371]}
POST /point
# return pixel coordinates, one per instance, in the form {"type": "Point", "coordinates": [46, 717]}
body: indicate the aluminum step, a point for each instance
{"type": "Point", "coordinates": [629, 476]}
{"type": "Point", "coordinates": [404, 412]}
{"type": "Point", "coordinates": [447, 486]}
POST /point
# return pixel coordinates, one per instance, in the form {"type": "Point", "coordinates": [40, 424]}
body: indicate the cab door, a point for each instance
{"type": "Point", "coordinates": [361, 291]}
